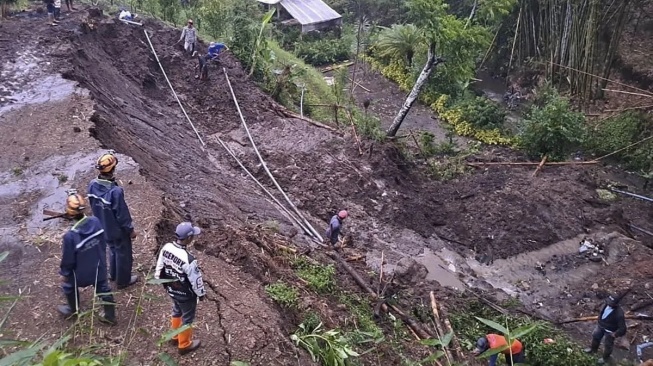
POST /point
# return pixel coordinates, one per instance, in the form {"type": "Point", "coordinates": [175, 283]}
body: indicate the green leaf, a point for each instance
{"type": "Point", "coordinates": [167, 359]}
{"type": "Point", "coordinates": [431, 342]}
{"type": "Point", "coordinates": [494, 325]}
{"type": "Point", "coordinates": [433, 357]}
{"type": "Point", "coordinates": [170, 334]}
{"type": "Point", "coordinates": [159, 281]}
{"type": "Point", "coordinates": [522, 331]}
{"type": "Point", "coordinates": [447, 339]}
{"type": "Point", "coordinates": [493, 351]}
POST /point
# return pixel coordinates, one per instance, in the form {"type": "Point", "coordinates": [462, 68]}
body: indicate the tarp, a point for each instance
{"type": "Point", "coordinates": [309, 11]}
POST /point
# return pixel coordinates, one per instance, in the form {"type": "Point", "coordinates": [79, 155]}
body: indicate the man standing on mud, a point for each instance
{"type": "Point", "coordinates": [611, 325]}
{"type": "Point", "coordinates": [109, 206]}
{"type": "Point", "coordinates": [189, 36]}
{"type": "Point", "coordinates": [333, 231]}
{"type": "Point", "coordinates": [83, 260]}
{"type": "Point", "coordinates": [175, 263]}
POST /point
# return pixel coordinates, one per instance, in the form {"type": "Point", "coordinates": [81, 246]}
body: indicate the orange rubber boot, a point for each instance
{"type": "Point", "coordinates": [186, 342]}
{"type": "Point", "coordinates": [175, 323]}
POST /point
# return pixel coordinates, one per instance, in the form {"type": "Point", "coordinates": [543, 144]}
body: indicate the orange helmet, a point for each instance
{"type": "Point", "coordinates": [107, 162]}
{"type": "Point", "coordinates": [75, 204]}
{"type": "Point", "coordinates": [343, 214]}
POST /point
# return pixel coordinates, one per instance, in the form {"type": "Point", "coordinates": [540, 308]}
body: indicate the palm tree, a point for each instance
{"type": "Point", "coordinates": [400, 41]}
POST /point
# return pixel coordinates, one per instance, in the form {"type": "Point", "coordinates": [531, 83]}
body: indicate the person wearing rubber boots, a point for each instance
{"type": "Point", "coordinates": [176, 263]}
{"type": "Point", "coordinates": [83, 260]}
{"type": "Point", "coordinates": [107, 200]}
{"type": "Point", "coordinates": [496, 341]}
{"type": "Point", "coordinates": [611, 325]}
{"type": "Point", "coordinates": [333, 231]}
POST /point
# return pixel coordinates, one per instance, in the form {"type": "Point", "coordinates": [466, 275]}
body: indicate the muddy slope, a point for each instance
{"type": "Point", "coordinates": [502, 210]}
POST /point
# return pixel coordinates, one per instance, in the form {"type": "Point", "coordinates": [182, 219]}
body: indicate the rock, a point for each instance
{"type": "Point", "coordinates": [77, 129]}
{"type": "Point", "coordinates": [409, 272]}
{"type": "Point", "coordinates": [595, 286]}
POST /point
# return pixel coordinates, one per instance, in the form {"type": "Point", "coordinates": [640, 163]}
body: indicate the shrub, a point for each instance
{"type": "Point", "coordinates": [620, 131]}
{"type": "Point", "coordinates": [552, 129]}
{"type": "Point", "coordinates": [481, 112]}
{"type": "Point", "coordinates": [320, 278]}
{"type": "Point", "coordinates": [283, 294]}
{"type": "Point", "coordinates": [323, 51]}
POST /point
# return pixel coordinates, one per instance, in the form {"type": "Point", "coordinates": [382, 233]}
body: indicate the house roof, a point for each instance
{"type": "Point", "coordinates": [309, 11]}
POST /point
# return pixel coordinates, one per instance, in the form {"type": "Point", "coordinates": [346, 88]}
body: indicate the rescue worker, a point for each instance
{"type": "Point", "coordinates": [611, 324]}
{"type": "Point", "coordinates": [212, 55]}
{"type": "Point", "coordinates": [333, 231]}
{"type": "Point", "coordinates": [83, 260]}
{"type": "Point", "coordinates": [496, 341]}
{"type": "Point", "coordinates": [189, 36]}
{"type": "Point", "coordinates": [176, 263]}
{"type": "Point", "coordinates": [107, 200]}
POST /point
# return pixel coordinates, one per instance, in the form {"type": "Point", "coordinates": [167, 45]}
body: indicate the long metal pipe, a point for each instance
{"type": "Point", "coordinates": [265, 167]}
{"type": "Point", "coordinates": [173, 90]}
{"type": "Point", "coordinates": [632, 195]}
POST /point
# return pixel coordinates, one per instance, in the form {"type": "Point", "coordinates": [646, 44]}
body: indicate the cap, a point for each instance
{"type": "Point", "coordinates": [343, 214]}
{"type": "Point", "coordinates": [190, 21]}
{"type": "Point", "coordinates": [186, 229]}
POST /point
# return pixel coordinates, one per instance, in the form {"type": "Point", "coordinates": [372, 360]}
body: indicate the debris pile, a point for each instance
{"type": "Point", "coordinates": [592, 250]}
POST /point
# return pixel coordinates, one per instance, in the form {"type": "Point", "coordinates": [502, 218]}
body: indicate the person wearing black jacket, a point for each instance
{"type": "Point", "coordinates": [611, 324]}
{"type": "Point", "coordinates": [83, 260]}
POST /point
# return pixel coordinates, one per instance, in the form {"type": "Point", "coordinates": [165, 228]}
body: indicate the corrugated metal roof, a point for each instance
{"type": "Point", "coordinates": [309, 11]}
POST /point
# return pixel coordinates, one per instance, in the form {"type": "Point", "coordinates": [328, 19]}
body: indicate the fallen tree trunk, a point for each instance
{"type": "Point", "coordinates": [412, 324]}
{"type": "Point", "coordinates": [478, 164]}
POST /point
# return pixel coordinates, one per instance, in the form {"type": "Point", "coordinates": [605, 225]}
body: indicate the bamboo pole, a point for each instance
{"type": "Point", "coordinates": [528, 163]}
{"type": "Point", "coordinates": [540, 166]}
{"type": "Point", "coordinates": [514, 41]}
{"type": "Point", "coordinates": [439, 329]}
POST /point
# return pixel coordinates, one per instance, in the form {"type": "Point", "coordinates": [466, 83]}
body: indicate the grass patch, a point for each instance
{"type": "Point", "coordinates": [285, 295]}
{"type": "Point", "coordinates": [563, 352]}
{"type": "Point", "coordinates": [361, 312]}
{"type": "Point", "coordinates": [17, 171]}
{"type": "Point", "coordinates": [320, 278]}
{"type": "Point", "coordinates": [62, 178]}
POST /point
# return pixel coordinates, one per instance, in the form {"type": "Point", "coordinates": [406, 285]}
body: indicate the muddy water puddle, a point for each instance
{"type": "Point", "coordinates": [44, 186]}
{"type": "Point", "coordinates": [51, 88]}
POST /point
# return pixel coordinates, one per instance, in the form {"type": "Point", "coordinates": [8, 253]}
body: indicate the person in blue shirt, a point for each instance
{"type": "Point", "coordinates": [212, 55]}
{"type": "Point", "coordinates": [83, 260]}
{"type": "Point", "coordinates": [333, 231]}
{"type": "Point", "coordinates": [107, 200]}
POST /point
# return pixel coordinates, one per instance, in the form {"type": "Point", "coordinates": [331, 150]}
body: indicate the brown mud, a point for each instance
{"type": "Point", "coordinates": [395, 207]}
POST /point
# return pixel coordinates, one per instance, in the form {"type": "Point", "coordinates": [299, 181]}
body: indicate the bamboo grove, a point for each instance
{"type": "Point", "coordinates": [576, 41]}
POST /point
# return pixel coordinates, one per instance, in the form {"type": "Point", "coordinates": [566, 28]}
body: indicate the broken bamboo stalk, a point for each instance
{"type": "Point", "coordinates": [357, 83]}
{"type": "Point", "coordinates": [457, 348]}
{"type": "Point", "coordinates": [641, 305]}
{"type": "Point", "coordinates": [540, 166]}
{"type": "Point", "coordinates": [378, 291]}
{"type": "Point", "coordinates": [412, 324]}
{"type": "Point", "coordinates": [590, 318]}
{"type": "Point", "coordinates": [355, 258]}
{"type": "Point", "coordinates": [623, 148]}
{"type": "Point", "coordinates": [52, 213]}
{"type": "Point", "coordinates": [439, 329]}
{"type": "Point", "coordinates": [333, 67]}
{"type": "Point", "coordinates": [286, 248]}
{"type": "Point", "coordinates": [353, 127]}
{"type": "Point", "coordinates": [478, 164]}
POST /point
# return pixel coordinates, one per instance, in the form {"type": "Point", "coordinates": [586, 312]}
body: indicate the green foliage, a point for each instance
{"type": "Point", "coordinates": [563, 352]}
{"type": "Point", "coordinates": [330, 348]}
{"type": "Point", "coordinates": [440, 344]}
{"type": "Point", "coordinates": [620, 131]}
{"type": "Point", "coordinates": [283, 294]}
{"type": "Point", "coordinates": [552, 129]}
{"type": "Point", "coordinates": [362, 313]}
{"type": "Point", "coordinates": [323, 51]}
{"type": "Point", "coordinates": [169, 10]}
{"type": "Point", "coordinates": [400, 42]}
{"type": "Point", "coordinates": [17, 171]}
{"type": "Point", "coordinates": [319, 277]}
{"type": "Point", "coordinates": [430, 148]}
{"type": "Point", "coordinates": [482, 112]}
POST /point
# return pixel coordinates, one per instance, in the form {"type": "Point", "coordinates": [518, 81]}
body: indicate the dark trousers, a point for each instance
{"type": "Point", "coordinates": [608, 343]}
{"type": "Point", "coordinates": [120, 260]}
{"type": "Point", "coordinates": [102, 289]}
{"type": "Point", "coordinates": [185, 310]}
{"type": "Point", "coordinates": [57, 13]}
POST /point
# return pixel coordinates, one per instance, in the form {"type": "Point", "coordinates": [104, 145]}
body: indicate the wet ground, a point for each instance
{"type": "Point", "coordinates": [502, 215]}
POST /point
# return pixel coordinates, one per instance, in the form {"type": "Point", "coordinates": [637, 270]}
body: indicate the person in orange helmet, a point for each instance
{"type": "Point", "coordinates": [333, 231]}
{"type": "Point", "coordinates": [496, 341]}
{"type": "Point", "coordinates": [107, 200]}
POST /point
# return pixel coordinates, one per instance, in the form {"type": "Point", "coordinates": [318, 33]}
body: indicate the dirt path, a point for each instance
{"type": "Point", "coordinates": [499, 212]}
